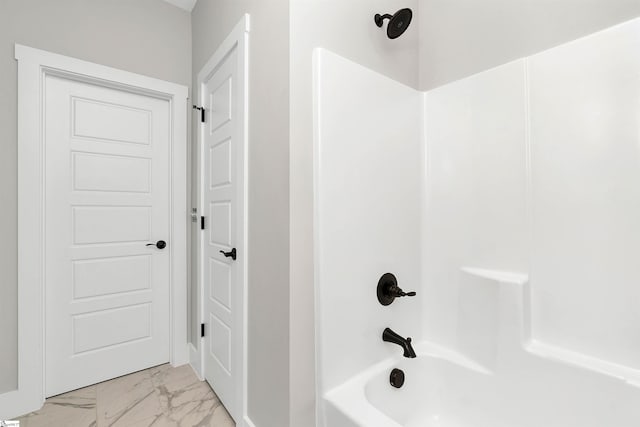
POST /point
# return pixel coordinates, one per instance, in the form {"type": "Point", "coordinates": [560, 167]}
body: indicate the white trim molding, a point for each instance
{"type": "Point", "coordinates": [33, 67]}
{"type": "Point", "coordinates": [238, 39]}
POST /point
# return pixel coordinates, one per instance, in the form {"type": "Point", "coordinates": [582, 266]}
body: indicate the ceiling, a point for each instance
{"type": "Point", "coordinates": [183, 4]}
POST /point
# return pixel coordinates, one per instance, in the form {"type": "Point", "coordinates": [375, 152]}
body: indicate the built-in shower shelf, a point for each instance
{"type": "Point", "coordinates": [495, 320]}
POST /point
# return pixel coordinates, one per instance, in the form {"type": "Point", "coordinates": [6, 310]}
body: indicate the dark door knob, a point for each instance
{"type": "Point", "coordinates": [231, 254]}
{"type": "Point", "coordinates": [160, 244]}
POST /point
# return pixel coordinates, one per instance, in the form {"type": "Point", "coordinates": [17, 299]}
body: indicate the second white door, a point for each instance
{"type": "Point", "coordinates": [222, 248]}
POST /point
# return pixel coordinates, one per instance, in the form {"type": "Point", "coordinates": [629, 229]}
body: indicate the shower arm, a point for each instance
{"type": "Point", "coordinates": [380, 19]}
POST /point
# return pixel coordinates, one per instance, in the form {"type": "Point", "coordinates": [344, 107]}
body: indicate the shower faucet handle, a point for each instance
{"type": "Point", "coordinates": [388, 289]}
{"type": "Point", "coordinates": [407, 294]}
{"type": "Point", "coordinates": [400, 293]}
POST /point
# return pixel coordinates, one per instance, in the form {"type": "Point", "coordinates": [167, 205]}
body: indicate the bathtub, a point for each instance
{"type": "Point", "coordinates": [443, 389]}
{"type": "Point", "coordinates": [505, 378]}
{"type": "Point", "coordinates": [498, 376]}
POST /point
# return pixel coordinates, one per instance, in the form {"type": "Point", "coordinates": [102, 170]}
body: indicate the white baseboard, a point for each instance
{"type": "Point", "coordinates": [195, 362]}
{"type": "Point", "coordinates": [16, 403]}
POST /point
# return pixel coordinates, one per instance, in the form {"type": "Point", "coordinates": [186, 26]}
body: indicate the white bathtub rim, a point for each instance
{"type": "Point", "coordinates": [350, 396]}
{"type": "Point", "coordinates": [350, 399]}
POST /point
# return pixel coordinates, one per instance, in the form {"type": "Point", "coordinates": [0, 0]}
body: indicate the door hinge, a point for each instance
{"type": "Point", "coordinates": [201, 223]}
{"type": "Point", "coordinates": [202, 330]}
{"type": "Point", "coordinates": [195, 107]}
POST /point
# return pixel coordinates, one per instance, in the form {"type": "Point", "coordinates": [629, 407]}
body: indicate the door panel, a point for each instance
{"type": "Point", "coordinates": [220, 282]}
{"type": "Point", "coordinates": [92, 118]}
{"type": "Point", "coordinates": [107, 196]}
{"type": "Point", "coordinates": [100, 172]}
{"type": "Point", "coordinates": [221, 195]}
{"type": "Point", "coordinates": [220, 160]}
{"type": "Point", "coordinates": [110, 224]}
{"type": "Point", "coordinates": [107, 328]}
{"type": "Point", "coordinates": [109, 276]}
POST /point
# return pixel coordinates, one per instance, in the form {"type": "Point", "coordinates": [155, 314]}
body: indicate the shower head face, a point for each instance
{"type": "Point", "coordinates": [399, 23]}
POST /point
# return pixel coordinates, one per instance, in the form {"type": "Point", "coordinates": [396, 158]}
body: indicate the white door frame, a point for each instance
{"type": "Point", "coordinates": [238, 38]}
{"type": "Point", "coordinates": [33, 67]}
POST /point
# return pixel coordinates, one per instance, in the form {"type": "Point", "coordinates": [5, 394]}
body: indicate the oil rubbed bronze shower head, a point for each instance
{"type": "Point", "coordinates": [398, 22]}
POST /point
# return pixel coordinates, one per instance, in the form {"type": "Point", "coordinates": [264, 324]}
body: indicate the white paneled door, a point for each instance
{"type": "Point", "coordinates": [107, 209]}
{"type": "Point", "coordinates": [222, 248]}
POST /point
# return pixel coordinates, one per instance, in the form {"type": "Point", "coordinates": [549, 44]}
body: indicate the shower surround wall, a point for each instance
{"type": "Point", "coordinates": [347, 28]}
{"type": "Point", "coordinates": [585, 170]}
{"type": "Point", "coordinates": [528, 187]}
{"type": "Point", "coordinates": [367, 218]}
{"type": "Point", "coordinates": [558, 133]}
{"type": "Point", "coordinates": [475, 212]}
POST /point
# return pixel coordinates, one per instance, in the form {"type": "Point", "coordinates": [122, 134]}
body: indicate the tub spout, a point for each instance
{"type": "Point", "coordinates": [389, 336]}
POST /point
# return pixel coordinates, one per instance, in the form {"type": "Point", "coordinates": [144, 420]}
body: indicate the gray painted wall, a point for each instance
{"type": "Point", "coordinates": [346, 28]}
{"type": "Point", "coordinates": [148, 37]}
{"type": "Point", "coordinates": [459, 38]}
{"type": "Point", "coordinates": [268, 281]}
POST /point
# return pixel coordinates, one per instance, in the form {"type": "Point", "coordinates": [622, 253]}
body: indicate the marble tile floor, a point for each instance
{"type": "Point", "coordinates": [158, 397]}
